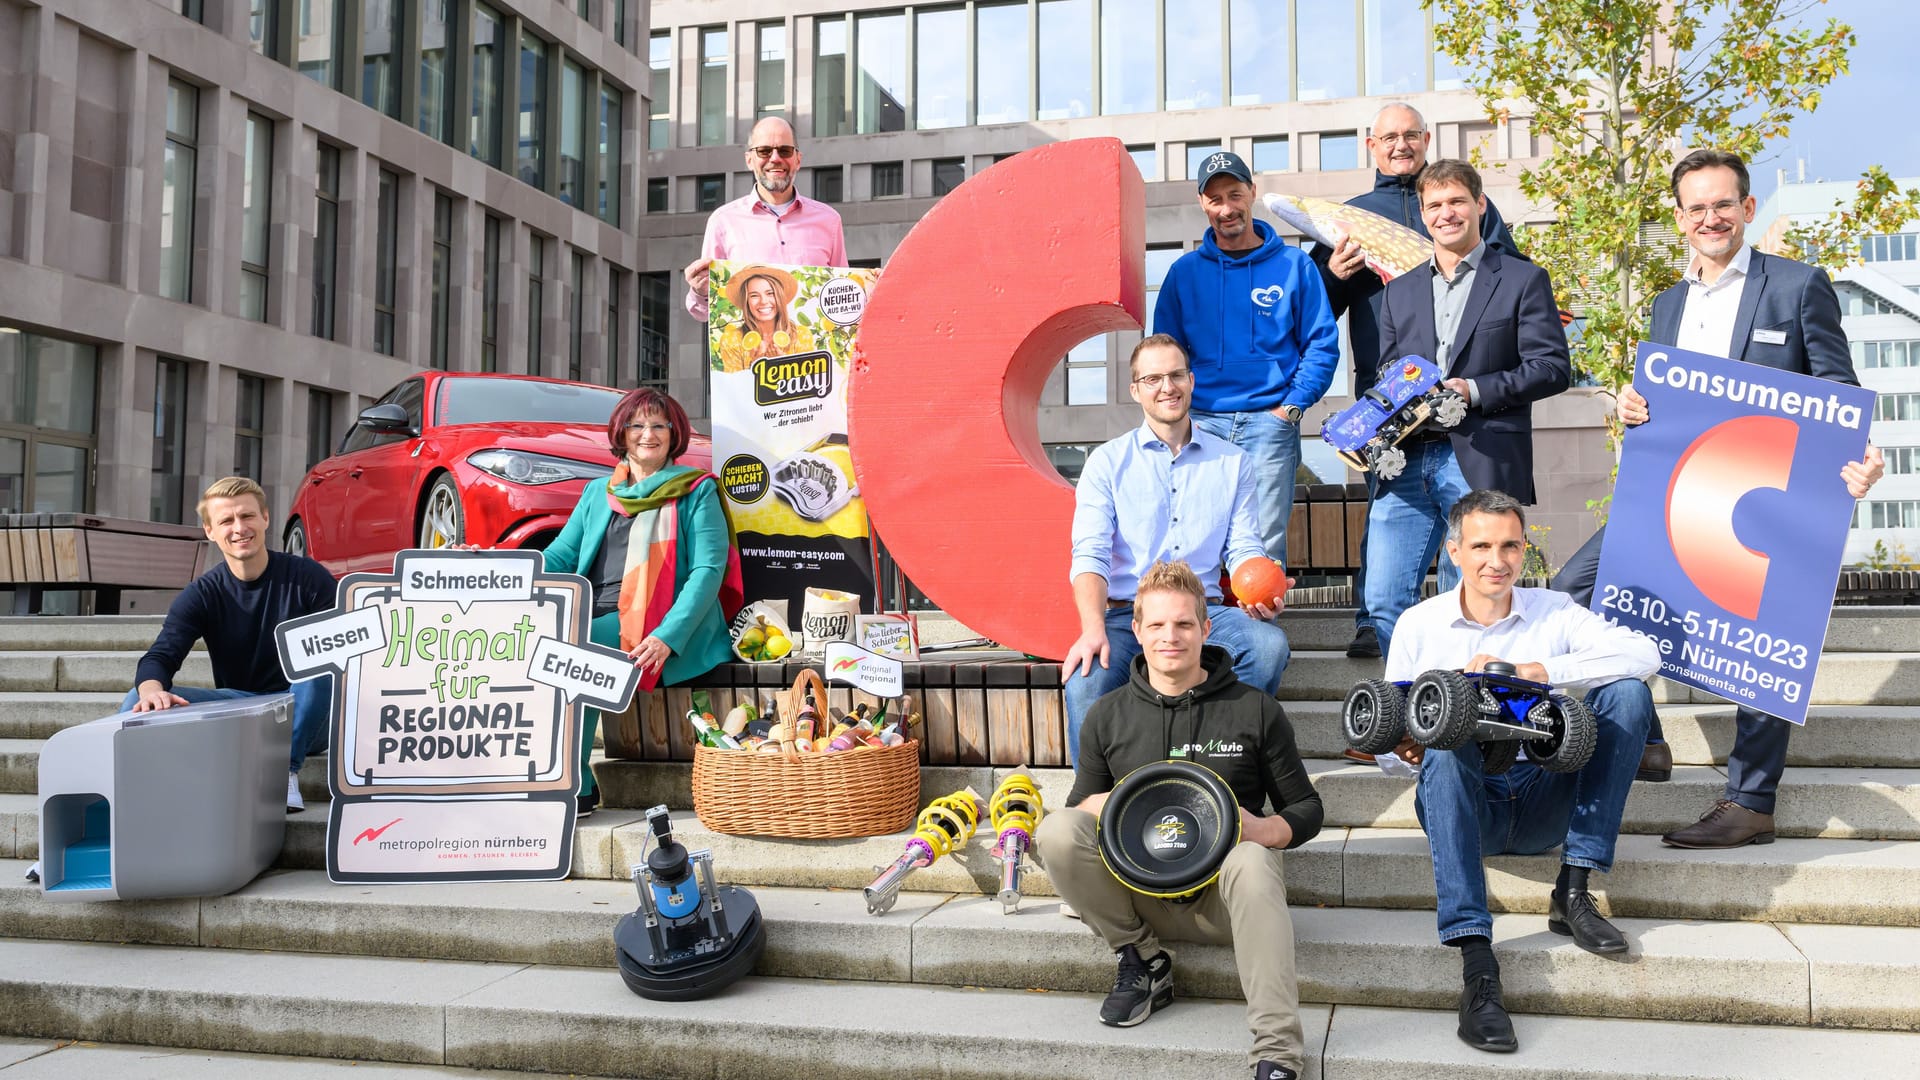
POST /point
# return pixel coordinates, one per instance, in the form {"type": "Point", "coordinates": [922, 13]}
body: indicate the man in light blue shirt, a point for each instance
{"type": "Point", "coordinates": [1163, 491]}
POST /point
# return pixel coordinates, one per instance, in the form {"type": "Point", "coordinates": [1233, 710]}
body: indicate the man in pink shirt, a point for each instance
{"type": "Point", "coordinates": [773, 224]}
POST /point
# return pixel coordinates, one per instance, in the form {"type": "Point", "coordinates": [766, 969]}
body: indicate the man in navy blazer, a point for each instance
{"type": "Point", "coordinates": [1487, 318]}
{"type": "Point", "coordinates": [1739, 303]}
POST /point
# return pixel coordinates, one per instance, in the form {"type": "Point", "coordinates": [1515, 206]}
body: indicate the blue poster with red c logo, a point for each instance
{"type": "Point", "coordinates": [1729, 523]}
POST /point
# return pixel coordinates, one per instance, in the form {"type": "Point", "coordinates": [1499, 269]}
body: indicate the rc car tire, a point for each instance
{"type": "Point", "coordinates": [1374, 716]}
{"type": "Point", "coordinates": [1449, 408]}
{"type": "Point", "coordinates": [1574, 731]}
{"type": "Point", "coordinates": [1443, 708]}
{"type": "Point", "coordinates": [1498, 755]}
{"type": "Point", "coordinates": [1388, 461]}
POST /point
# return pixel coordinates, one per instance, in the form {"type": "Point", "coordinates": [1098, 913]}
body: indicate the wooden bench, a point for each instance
{"type": "Point", "coordinates": [41, 552]}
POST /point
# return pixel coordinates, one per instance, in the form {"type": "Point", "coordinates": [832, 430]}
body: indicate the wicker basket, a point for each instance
{"type": "Point", "coordinates": [866, 791]}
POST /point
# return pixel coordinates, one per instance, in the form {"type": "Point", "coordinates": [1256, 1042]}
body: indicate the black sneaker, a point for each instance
{"type": "Point", "coordinates": [1365, 644]}
{"type": "Point", "coordinates": [1139, 987]}
{"type": "Point", "coordinates": [587, 804]}
{"type": "Point", "coordinates": [1267, 1070]}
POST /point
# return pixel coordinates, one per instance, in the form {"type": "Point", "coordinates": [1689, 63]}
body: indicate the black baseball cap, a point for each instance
{"type": "Point", "coordinates": [1223, 161]}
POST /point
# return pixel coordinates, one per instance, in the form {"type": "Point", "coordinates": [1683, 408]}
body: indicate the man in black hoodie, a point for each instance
{"type": "Point", "coordinates": [1183, 702]}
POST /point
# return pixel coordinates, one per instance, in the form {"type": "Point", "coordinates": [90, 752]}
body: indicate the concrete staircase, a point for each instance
{"type": "Point", "coordinates": [1811, 944]}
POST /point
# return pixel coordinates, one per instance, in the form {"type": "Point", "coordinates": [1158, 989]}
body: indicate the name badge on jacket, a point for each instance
{"type": "Point", "coordinates": [1770, 337]}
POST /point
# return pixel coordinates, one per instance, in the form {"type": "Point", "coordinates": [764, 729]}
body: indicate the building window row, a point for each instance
{"type": "Point", "coordinates": [1902, 460]}
{"type": "Point", "coordinates": [47, 428]}
{"type": "Point", "coordinates": [1892, 514]}
{"type": "Point", "coordinates": [1890, 247]}
{"type": "Point", "coordinates": [1897, 407]}
{"type": "Point", "coordinates": [1886, 354]}
{"type": "Point", "coordinates": [1855, 300]}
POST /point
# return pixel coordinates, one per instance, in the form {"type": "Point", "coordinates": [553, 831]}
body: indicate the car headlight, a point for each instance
{"type": "Point", "coordinates": [520, 467]}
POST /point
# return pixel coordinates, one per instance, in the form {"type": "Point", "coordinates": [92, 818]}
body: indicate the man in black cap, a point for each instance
{"type": "Point", "coordinates": [1252, 315]}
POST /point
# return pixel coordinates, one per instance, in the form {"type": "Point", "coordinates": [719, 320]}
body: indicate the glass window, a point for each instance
{"type": "Point", "coordinates": [880, 48]}
{"type": "Point", "coordinates": [1069, 459]}
{"type": "Point", "coordinates": [536, 302]}
{"type": "Point", "coordinates": [326, 239]}
{"type": "Point", "coordinates": [1160, 259]}
{"type": "Point", "coordinates": [188, 8]}
{"type": "Point", "coordinates": [1147, 160]}
{"type": "Point", "coordinates": [573, 129]}
{"type": "Point", "coordinates": [607, 168]}
{"type": "Point", "coordinates": [610, 333]}
{"type": "Point", "coordinates": [830, 77]}
{"type": "Point", "coordinates": [940, 68]}
{"type": "Point", "coordinates": [829, 183]}
{"type": "Point", "coordinates": [318, 38]}
{"type": "Point", "coordinates": [493, 401]}
{"type": "Point", "coordinates": [1127, 62]}
{"type": "Point", "coordinates": [436, 114]}
{"type": "Point", "coordinates": [1193, 56]}
{"type": "Point", "coordinates": [1197, 154]}
{"type": "Point", "coordinates": [889, 178]}
{"type": "Point", "coordinates": [1066, 72]}
{"type": "Point", "coordinates": [948, 173]}
{"type": "Point", "coordinates": [657, 195]}
{"type": "Point", "coordinates": [385, 279]}
{"type": "Point", "coordinates": [489, 78]}
{"type": "Point", "coordinates": [1339, 150]}
{"type": "Point", "coordinates": [1003, 76]}
{"type": "Point", "coordinates": [442, 269]}
{"type": "Point", "coordinates": [256, 209]}
{"type": "Point", "coordinates": [709, 192]}
{"type": "Point", "coordinates": [59, 478]}
{"type": "Point", "coordinates": [1272, 155]}
{"type": "Point", "coordinates": [319, 426]}
{"type": "Point", "coordinates": [659, 90]}
{"type": "Point", "coordinates": [1397, 47]}
{"type": "Point", "coordinates": [379, 69]}
{"type": "Point", "coordinates": [166, 500]}
{"type": "Point", "coordinates": [576, 323]}
{"type": "Point", "coordinates": [1257, 34]}
{"type": "Point", "coordinates": [619, 20]}
{"type": "Point", "coordinates": [654, 292]}
{"type": "Point", "coordinates": [176, 191]}
{"type": "Point", "coordinates": [530, 153]}
{"type": "Point", "coordinates": [1327, 65]}
{"type": "Point", "coordinates": [491, 231]}
{"type": "Point", "coordinates": [770, 71]}
{"type": "Point", "coordinates": [713, 86]}
{"type": "Point", "coordinates": [249, 424]}
{"type": "Point", "coordinates": [1087, 372]}
{"type": "Point", "coordinates": [263, 37]}
{"type": "Point", "coordinates": [49, 382]}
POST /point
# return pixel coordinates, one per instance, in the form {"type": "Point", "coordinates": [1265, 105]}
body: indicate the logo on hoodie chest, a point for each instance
{"type": "Point", "coordinates": [1268, 297]}
{"type": "Point", "coordinates": [1211, 748]}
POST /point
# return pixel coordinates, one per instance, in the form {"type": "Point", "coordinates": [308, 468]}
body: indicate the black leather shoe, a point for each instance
{"type": "Point", "coordinates": [1484, 1024]}
{"type": "Point", "coordinates": [1656, 764]}
{"type": "Point", "coordinates": [1578, 918]}
{"type": "Point", "coordinates": [1365, 644]}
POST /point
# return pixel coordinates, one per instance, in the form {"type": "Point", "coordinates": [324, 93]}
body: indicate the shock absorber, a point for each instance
{"type": "Point", "coordinates": [946, 823]}
{"type": "Point", "coordinates": [1016, 813]}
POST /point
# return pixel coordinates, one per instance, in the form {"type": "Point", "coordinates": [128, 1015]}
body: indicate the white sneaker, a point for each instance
{"type": "Point", "coordinates": [295, 803]}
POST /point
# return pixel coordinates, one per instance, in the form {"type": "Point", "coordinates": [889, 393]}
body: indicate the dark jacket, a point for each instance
{"type": "Point", "coordinates": [1510, 343]}
{"type": "Point", "coordinates": [1781, 295]}
{"type": "Point", "coordinates": [1358, 297]}
{"type": "Point", "coordinates": [1224, 724]}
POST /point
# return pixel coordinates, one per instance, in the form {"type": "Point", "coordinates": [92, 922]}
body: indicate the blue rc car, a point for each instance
{"type": "Point", "coordinates": [1405, 398]}
{"type": "Point", "coordinates": [1445, 710]}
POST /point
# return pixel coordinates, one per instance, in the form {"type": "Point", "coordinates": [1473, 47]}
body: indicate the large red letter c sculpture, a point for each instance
{"type": "Point", "coordinates": [979, 303]}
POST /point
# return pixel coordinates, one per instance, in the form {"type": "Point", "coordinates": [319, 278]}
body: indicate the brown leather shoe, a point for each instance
{"type": "Point", "coordinates": [1656, 764]}
{"type": "Point", "coordinates": [1354, 755]}
{"type": "Point", "coordinates": [1727, 825]}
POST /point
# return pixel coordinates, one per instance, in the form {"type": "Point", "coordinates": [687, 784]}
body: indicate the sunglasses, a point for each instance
{"type": "Point", "coordinates": [765, 152]}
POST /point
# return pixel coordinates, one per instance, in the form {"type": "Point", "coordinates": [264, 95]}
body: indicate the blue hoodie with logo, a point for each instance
{"type": "Point", "coordinates": [1256, 325]}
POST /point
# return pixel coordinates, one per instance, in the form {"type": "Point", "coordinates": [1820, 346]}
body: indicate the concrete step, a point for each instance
{"type": "Point", "coordinates": [39, 714]}
{"type": "Point", "coordinates": [1736, 972]}
{"type": "Point", "coordinates": [112, 672]}
{"type": "Point", "coordinates": [39, 1059]}
{"type": "Point", "coordinates": [19, 765]}
{"type": "Point", "coordinates": [91, 633]}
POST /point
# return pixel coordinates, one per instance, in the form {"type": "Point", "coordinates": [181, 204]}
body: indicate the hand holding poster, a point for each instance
{"type": "Point", "coordinates": [1729, 523]}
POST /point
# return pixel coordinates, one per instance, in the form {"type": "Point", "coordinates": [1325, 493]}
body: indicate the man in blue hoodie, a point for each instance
{"type": "Point", "coordinates": [1252, 316]}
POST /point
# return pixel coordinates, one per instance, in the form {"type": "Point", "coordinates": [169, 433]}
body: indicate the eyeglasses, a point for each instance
{"type": "Point", "coordinates": [1723, 208]}
{"type": "Point", "coordinates": [1155, 382]}
{"type": "Point", "coordinates": [1408, 137]}
{"type": "Point", "coordinates": [765, 152]}
{"type": "Point", "coordinates": [655, 426]}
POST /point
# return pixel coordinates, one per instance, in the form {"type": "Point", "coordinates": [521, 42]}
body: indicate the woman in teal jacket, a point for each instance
{"type": "Point", "coordinates": [656, 545]}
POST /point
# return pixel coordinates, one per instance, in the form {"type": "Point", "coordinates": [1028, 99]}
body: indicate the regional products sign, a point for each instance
{"type": "Point", "coordinates": [1729, 523]}
{"type": "Point", "coordinates": [782, 341]}
{"type": "Point", "coordinates": [453, 748]}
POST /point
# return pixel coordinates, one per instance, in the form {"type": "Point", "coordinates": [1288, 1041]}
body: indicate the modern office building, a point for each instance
{"type": "Point", "coordinates": [1880, 311]}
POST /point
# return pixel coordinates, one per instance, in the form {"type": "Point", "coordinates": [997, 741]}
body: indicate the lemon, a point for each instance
{"type": "Point", "coordinates": [778, 645]}
{"type": "Point", "coordinates": [753, 640]}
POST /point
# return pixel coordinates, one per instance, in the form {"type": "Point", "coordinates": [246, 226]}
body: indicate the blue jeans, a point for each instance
{"type": "Point", "coordinates": [312, 712]}
{"type": "Point", "coordinates": [1259, 652]}
{"type": "Point", "coordinates": [1528, 810]}
{"type": "Point", "coordinates": [1405, 528]}
{"type": "Point", "coordinates": [1274, 446]}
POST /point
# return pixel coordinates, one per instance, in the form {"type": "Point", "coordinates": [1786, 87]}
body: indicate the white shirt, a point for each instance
{"type": "Point", "coordinates": [1706, 323]}
{"type": "Point", "coordinates": [1578, 648]}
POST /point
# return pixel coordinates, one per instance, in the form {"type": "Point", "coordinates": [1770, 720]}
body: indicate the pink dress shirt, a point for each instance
{"type": "Point", "coordinates": [808, 234]}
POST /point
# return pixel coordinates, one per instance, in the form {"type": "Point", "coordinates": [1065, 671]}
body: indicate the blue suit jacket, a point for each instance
{"type": "Point", "coordinates": [1510, 343]}
{"type": "Point", "coordinates": [1780, 295]}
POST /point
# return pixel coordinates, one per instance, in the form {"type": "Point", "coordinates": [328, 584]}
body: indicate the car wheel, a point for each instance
{"type": "Point", "coordinates": [1443, 708]}
{"type": "Point", "coordinates": [442, 521]}
{"type": "Point", "coordinates": [1572, 735]}
{"type": "Point", "coordinates": [1373, 717]}
{"type": "Point", "coordinates": [1498, 756]}
{"type": "Point", "coordinates": [296, 541]}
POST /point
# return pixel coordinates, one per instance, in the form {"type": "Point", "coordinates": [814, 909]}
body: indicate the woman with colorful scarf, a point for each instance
{"type": "Point", "coordinates": [656, 544]}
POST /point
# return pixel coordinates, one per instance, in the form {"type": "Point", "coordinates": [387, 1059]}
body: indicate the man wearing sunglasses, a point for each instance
{"type": "Point", "coordinates": [770, 224]}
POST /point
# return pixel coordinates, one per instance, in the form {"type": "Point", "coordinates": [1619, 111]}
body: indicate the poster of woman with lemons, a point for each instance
{"type": "Point", "coordinates": [781, 341]}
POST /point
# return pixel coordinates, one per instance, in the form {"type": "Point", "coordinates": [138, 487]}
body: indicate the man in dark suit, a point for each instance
{"type": "Point", "coordinates": [1735, 302]}
{"type": "Point", "coordinates": [1489, 321]}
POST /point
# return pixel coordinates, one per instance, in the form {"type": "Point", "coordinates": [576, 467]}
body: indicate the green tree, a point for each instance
{"type": "Point", "coordinates": [1620, 89]}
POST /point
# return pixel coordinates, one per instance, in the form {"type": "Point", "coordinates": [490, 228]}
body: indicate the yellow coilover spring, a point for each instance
{"type": "Point", "coordinates": [944, 825]}
{"type": "Point", "coordinates": [1017, 811]}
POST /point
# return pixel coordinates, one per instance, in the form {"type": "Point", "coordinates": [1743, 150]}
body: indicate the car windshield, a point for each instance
{"type": "Point", "coordinates": [490, 401]}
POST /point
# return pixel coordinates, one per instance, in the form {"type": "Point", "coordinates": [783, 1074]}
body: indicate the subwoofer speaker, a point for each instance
{"type": "Point", "coordinates": [1167, 828]}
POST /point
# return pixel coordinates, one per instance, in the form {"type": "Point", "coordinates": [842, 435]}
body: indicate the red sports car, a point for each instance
{"type": "Point", "coordinates": [444, 458]}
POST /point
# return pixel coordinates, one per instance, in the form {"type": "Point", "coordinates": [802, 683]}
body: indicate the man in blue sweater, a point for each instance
{"type": "Point", "coordinates": [1398, 141]}
{"type": "Point", "coordinates": [234, 607]}
{"type": "Point", "coordinates": [1252, 316]}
